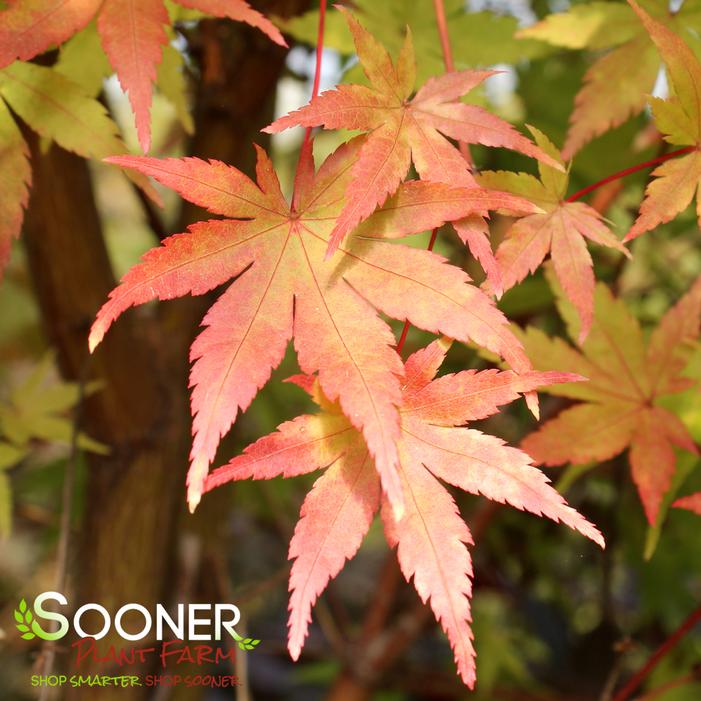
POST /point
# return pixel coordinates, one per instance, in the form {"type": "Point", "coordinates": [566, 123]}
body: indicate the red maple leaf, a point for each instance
{"type": "Point", "coordinates": [433, 445]}
{"type": "Point", "coordinates": [402, 131]}
{"type": "Point", "coordinates": [132, 32]}
{"type": "Point", "coordinates": [619, 406]}
{"type": "Point", "coordinates": [282, 288]}
{"type": "Point", "coordinates": [690, 503]}
{"type": "Point", "coordinates": [562, 230]}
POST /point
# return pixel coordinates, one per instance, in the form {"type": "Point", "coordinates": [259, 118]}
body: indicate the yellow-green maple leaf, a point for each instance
{"type": "Point", "coordinates": [616, 84]}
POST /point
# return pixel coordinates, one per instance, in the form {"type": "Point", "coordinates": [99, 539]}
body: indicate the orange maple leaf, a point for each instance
{"type": "Point", "coordinates": [561, 230]}
{"type": "Point", "coordinates": [692, 502]}
{"type": "Point", "coordinates": [132, 32]}
{"type": "Point", "coordinates": [433, 445]}
{"type": "Point", "coordinates": [402, 131]}
{"type": "Point", "coordinates": [619, 405]}
{"type": "Point", "coordinates": [282, 288]}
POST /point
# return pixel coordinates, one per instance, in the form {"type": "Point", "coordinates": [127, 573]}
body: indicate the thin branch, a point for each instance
{"type": "Point", "coordinates": [614, 675]}
{"type": "Point", "coordinates": [240, 664]}
{"type": "Point", "coordinates": [331, 630]}
{"type": "Point", "coordinates": [444, 35]}
{"type": "Point", "coordinates": [153, 217]}
{"type": "Point", "coordinates": [305, 150]}
{"type": "Point", "coordinates": [629, 171]}
{"type": "Point", "coordinates": [243, 689]}
{"type": "Point", "coordinates": [386, 649]}
{"type": "Point", "coordinates": [319, 49]}
{"type": "Point", "coordinates": [67, 498]}
{"type": "Point", "coordinates": [658, 691]}
{"type": "Point", "coordinates": [639, 677]}
{"type": "Point", "coordinates": [385, 592]}
{"type": "Point", "coordinates": [381, 647]}
{"type": "Point", "coordinates": [439, 9]}
{"type": "Point", "coordinates": [249, 593]}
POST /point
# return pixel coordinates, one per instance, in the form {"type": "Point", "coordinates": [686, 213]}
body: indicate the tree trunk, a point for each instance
{"type": "Point", "coordinates": [132, 498]}
{"type": "Point", "coordinates": [135, 495]}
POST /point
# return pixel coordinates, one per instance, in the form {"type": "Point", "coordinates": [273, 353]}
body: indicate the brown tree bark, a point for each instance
{"type": "Point", "coordinates": [135, 495]}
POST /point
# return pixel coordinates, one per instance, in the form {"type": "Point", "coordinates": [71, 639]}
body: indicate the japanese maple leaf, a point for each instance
{"type": "Point", "coordinates": [679, 119]}
{"type": "Point", "coordinates": [690, 503]}
{"type": "Point", "coordinates": [58, 110]}
{"type": "Point", "coordinates": [434, 447]}
{"type": "Point", "coordinates": [616, 84]}
{"type": "Point", "coordinates": [132, 32]}
{"type": "Point", "coordinates": [401, 130]}
{"type": "Point", "coordinates": [283, 289]}
{"type": "Point", "coordinates": [618, 408]}
{"type": "Point", "coordinates": [561, 230]}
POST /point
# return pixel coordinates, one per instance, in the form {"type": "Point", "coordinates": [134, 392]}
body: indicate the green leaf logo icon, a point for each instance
{"type": "Point", "coordinates": [248, 643]}
{"type": "Point", "coordinates": [23, 620]}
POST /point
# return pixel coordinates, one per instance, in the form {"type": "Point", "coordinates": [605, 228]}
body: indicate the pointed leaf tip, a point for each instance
{"type": "Point", "coordinates": [566, 377]}
{"type": "Point", "coordinates": [97, 333]}
{"type": "Point", "coordinates": [692, 502]}
{"type": "Point", "coordinates": [193, 502]}
{"type": "Point", "coordinates": [196, 478]}
{"type": "Point", "coordinates": [533, 404]}
{"type": "Point", "coordinates": [145, 142]}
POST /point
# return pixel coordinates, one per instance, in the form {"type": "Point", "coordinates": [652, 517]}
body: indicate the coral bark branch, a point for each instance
{"type": "Point", "coordinates": [629, 171]}
{"type": "Point", "coordinates": [662, 651]}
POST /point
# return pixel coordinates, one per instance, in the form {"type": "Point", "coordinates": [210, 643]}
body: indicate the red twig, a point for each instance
{"type": "Point", "coordinates": [319, 57]}
{"type": "Point", "coordinates": [629, 171]}
{"type": "Point", "coordinates": [444, 36]}
{"type": "Point", "coordinates": [315, 88]}
{"type": "Point", "coordinates": [637, 679]}
{"type": "Point", "coordinates": [319, 48]}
